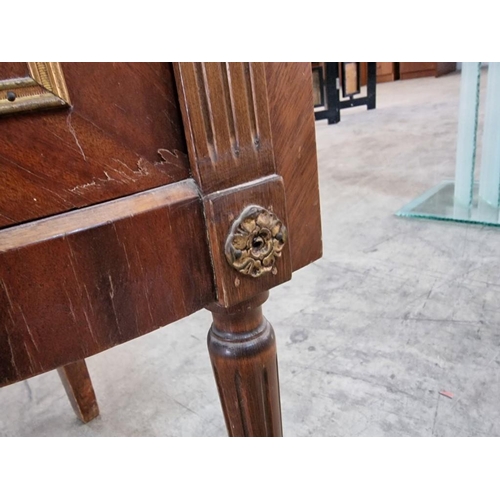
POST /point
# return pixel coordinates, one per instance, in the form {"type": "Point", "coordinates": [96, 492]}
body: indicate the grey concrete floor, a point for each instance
{"type": "Point", "coordinates": [395, 312]}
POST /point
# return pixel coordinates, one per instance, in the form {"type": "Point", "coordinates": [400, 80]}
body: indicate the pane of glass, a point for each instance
{"type": "Point", "coordinates": [467, 131]}
{"type": "Point", "coordinates": [490, 161]}
{"type": "Point", "coordinates": [439, 203]}
{"type": "Point", "coordinates": [465, 199]}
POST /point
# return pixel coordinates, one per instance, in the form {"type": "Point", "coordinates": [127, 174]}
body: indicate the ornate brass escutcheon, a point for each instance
{"type": "Point", "coordinates": [255, 241]}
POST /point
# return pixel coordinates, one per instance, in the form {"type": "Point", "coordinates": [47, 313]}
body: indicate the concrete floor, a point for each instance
{"type": "Point", "coordinates": [395, 312]}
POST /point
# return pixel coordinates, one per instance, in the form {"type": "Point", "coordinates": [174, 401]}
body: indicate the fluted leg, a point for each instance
{"type": "Point", "coordinates": [78, 385]}
{"type": "Point", "coordinates": [242, 349]}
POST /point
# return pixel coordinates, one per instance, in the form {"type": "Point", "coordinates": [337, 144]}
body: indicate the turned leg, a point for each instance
{"type": "Point", "coordinates": [242, 349]}
{"type": "Point", "coordinates": [76, 380]}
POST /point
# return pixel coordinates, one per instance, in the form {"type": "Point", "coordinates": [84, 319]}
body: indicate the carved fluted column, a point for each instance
{"type": "Point", "coordinates": [242, 349]}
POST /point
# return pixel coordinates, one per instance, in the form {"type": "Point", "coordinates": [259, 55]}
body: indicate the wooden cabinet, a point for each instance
{"type": "Point", "coordinates": [390, 71]}
{"type": "Point", "coordinates": [386, 72]}
{"type": "Point", "coordinates": [132, 195]}
{"type": "Point", "coordinates": [409, 70]}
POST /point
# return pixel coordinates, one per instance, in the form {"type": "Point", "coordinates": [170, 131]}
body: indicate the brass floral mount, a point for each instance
{"type": "Point", "coordinates": [256, 240]}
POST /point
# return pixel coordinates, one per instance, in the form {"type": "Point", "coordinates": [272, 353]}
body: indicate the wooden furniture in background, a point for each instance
{"type": "Point", "coordinates": [409, 70]}
{"type": "Point", "coordinates": [391, 71]}
{"type": "Point", "coordinates": [148, 192]}
{"type": "Point", "coordinates": [387, 72]}
{"type": "Point", "coordinates": [318, 84]}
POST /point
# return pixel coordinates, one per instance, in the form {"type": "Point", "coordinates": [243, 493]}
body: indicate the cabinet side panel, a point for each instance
{"type": "Point", "coordinates": [291, 112]}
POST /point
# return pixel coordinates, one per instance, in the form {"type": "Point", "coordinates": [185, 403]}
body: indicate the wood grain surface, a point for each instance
{"type": "Point", "coordinates": [242, 348]}
{"type": "Point", "coordinates": [221, 209]}
{"type": "Point", "coordinates": [78, 386]}
{"type": "Point", "coordinates": [226, 116]}
{"type": "Point", "coordinates": [123, 134]}
{"type": "Point", "coordinates": [105, 277]}
{"type": "Point", "coordinates": [291, 112]}
{"type": "Point", "coordinates": [147, 245]}
{"type": "Point", "coordinates": [244, 122]}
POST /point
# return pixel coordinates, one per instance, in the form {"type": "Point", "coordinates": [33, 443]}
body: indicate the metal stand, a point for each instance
{"type": "Point", "coordinates": [332, 89]}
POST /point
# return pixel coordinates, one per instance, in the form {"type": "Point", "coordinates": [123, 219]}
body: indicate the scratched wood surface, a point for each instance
{"type": "Point", "coordinates": [66, 294]}
{"type": "Point", "coordinates": [123, 135]}
{"type": "Point", "coordinates": [74, 284]}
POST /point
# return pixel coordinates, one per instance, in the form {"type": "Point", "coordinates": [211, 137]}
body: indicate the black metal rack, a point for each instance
{"type": "Point", "coordinates": [331, 91]}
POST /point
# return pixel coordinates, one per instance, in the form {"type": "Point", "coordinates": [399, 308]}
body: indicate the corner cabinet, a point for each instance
{"type": "Point", "coordinates": [134, 194]}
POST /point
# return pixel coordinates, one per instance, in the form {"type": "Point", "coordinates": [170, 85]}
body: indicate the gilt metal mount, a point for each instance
{"type": "Point", "coordinates": [255, 241]}
{"type": "Point", "coordinates": [43, 88]}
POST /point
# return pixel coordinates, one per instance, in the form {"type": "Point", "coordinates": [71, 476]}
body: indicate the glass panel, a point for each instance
{"type": "Point", "coordinates": [467, 128]}
{"type": "Point", "coordinates": [490, 161]}
{"type": "Point", "coordinates": [464, 199]}
{"type": "Point", "coordinates": [439, 203]}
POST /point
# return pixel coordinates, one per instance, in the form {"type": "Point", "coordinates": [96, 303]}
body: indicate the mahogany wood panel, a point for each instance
{"type": "Point", "coordinates": [79, 283]}
{"type": "Point", "coordinates": [411, 67]}
{"type": "Point", "coordinates": [13, 70]}
{"type": "Point", "coordinates": [78, 386]}
{"type": "Point", "coordinates": [123, 134]}
{"type": "Point", "coordinates": [135, 103]}
{"type": "Point", "coordinates": [74, 284]}
{"type": "Point", "coordinates": [242, 349]}
{"type": "Point", "coordinates": [226, 117]}
{"type": "Point", "coordinates": [221, 209]}
{"type": "Point", "coordinates": [291, 112]}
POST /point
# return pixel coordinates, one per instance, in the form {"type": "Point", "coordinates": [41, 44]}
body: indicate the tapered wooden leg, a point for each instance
{"type": "Point", "coordinates": [76, 380]}
{"type": "Point", "coordinates": [242, 349]}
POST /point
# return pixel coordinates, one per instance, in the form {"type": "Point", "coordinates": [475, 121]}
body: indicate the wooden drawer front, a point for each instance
{"type": "Point", "coordinates": [119, 133]}
{"type": "Point", "coordinates": [76, 284]}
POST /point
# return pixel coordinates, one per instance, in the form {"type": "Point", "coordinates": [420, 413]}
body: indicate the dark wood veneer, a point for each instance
{"type": "Point", "coordinates": [106, 236]}
{"type": "Point", "coordinates": [289, 87]}
{"type": "Point", "coordinates": [123, 134]}
{"type": "Point", "coordinates": [242, 349]}
{"type": "Point", "coordinates": [77, 284]}
{"type": "Point", "coordinates": [78, 386]}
